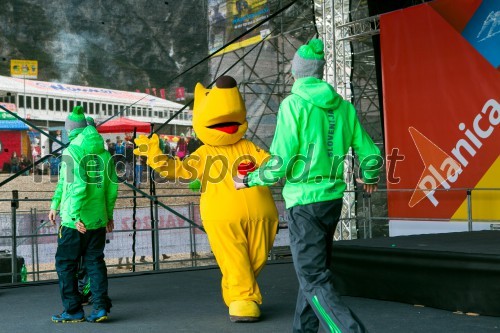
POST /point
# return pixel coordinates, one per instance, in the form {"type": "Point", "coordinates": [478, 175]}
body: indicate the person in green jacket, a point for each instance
{"type": "Point", "coordinates": [85, 195]}
{"type": "Point", "coordinates": [314, 131]}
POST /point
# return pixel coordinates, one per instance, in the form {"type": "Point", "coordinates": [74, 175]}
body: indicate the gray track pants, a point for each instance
{"type": "Point", "coordinates": [311, 229]}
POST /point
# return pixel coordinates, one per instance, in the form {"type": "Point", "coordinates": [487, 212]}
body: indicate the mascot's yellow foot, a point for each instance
{"type": "Point", "coordinates": [244, 311]}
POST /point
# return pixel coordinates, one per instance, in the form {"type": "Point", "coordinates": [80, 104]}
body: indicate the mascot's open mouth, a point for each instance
{"type": "Point", "coordinates": [229, 128]}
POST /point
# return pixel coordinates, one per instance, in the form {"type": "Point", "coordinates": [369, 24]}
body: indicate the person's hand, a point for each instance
{"type": "Point", "coordinates": [80, 226]}
{"type": "Point", "coordinates": [238, 182]}
{"type": "Point", "coordinates": [369, 188]}
{"type": "Point", "coordinates": [110, 226]}
{"type": "Point", "coordinates": [52, 216]}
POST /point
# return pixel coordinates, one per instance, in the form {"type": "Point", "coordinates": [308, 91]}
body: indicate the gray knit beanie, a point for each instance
{"type": "Point", "coordinates": [76, 119]}
{"type": "Point", "coordinates": [309, 60]}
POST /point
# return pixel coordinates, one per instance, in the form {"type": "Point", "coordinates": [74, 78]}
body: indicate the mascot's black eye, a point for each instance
{"type": "Point", "coordinates": [208, 92]}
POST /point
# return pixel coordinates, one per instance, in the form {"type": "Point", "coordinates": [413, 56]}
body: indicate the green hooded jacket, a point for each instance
{"type": "Point", "coordinates": [314, 131]}
{"type": "Point", "coordinates": [87, 186]}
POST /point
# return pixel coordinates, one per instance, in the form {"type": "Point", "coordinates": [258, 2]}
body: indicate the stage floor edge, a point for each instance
{"type": "Point", "coordinates": [190, 301]}
{"type": "Point", "coordinates": [452, 271]}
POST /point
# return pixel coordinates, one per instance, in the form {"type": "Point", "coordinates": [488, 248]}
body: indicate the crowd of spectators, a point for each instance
{"type": "Point", "coordinates": [128, 167]}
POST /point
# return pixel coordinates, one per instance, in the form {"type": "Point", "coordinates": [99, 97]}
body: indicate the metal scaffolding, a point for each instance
{"type": "Point", "coordinates": [263, 72]}
{"type": "Point", "coordinates": [347, 29]}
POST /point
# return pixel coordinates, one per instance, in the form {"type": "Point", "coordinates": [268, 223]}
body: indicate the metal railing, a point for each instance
{"type": "Point", "coordinates": [160, 239]}
{"type": "Point", "coordinates": [366, 219]}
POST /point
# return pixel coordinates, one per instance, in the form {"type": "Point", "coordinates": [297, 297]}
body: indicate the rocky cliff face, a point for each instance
{"type": "Point", "coordinates": [120, 44]}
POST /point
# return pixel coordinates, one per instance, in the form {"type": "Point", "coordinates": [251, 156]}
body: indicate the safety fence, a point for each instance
{"type": "Point", "coordinates": [167, 237]}
{"type": "Point", "coordinates": [478, 212]}
{"type": "Point", "coordinates": [160, 239]}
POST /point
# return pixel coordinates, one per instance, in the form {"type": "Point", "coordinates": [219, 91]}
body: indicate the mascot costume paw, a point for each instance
{"type": "Point", "coordinates": [240, 225]}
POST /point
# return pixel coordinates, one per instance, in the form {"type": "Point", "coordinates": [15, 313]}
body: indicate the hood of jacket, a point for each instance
{"type": "Point", "coordinates": [317, 92]}
{"type": "Point", "coordinates": [90, 141]}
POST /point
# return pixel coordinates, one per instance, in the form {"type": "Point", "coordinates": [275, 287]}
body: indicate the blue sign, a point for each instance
{"type": "Point", "coordinates": [483, 31]}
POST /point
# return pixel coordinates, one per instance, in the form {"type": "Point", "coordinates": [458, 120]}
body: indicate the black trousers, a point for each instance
{"type": "Point", "coordinates": [83, 280]}
{"type": "Point", "coordinates": [311, 229]}
{"type": "Point", "coordinates": [71, 245]}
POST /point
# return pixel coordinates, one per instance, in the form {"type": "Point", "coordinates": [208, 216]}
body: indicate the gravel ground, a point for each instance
{"type": "Point", "coordinates": [174, 261]}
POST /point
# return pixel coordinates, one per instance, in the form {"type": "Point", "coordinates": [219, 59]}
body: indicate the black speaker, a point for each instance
{"type": "Point", "coordinates": [6, 267]}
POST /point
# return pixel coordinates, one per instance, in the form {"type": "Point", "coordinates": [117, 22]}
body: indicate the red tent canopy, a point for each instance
{"type": "Point", "coordinates": [123, 125]}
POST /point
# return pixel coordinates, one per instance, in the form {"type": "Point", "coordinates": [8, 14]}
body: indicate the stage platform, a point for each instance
{"type": "Point", "coordinates": [190, 301]}
{"type": "Point", "coordinates": [457, 271]}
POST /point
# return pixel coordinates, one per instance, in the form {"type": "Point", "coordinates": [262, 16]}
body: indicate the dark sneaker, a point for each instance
{"type": "Point", "coordinates": [69, 318]}
{"type": "Point", "coordinates": [97, 316]}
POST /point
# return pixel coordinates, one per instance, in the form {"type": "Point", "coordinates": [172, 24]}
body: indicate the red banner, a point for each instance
{"type": "Point", "coordinates": [179, 94]}
{"type": "Point", "coordinates": [441, 109]}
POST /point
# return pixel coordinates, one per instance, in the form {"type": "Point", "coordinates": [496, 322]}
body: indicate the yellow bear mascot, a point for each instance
{"type": "Point", "coordinates": [240, 225]}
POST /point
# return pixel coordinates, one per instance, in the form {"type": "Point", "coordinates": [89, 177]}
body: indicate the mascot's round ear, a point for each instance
{"type": "Point", "coordinates": [199, 87]}
{"type": "Point", "coordinates": [225, 82]}
{"type": "Point", "coordinates": [199, 95]}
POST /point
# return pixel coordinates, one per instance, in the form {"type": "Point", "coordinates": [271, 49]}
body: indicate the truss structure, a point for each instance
{"type": "Point", "coordinates": [346, 28]}
{"type": "Point", "coordinates": [263, 72]}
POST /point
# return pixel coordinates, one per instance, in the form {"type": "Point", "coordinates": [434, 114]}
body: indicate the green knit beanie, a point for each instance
{"type": "Point", "coordinates": [76, 119]}
{"type": "Point", "coordinates": [90, 121]}
{"type": "Point", "coordinates": [309, 60]}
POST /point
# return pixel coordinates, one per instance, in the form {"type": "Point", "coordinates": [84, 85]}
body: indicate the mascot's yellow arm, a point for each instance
{"type": "Point", "coordinates": [215, 167]}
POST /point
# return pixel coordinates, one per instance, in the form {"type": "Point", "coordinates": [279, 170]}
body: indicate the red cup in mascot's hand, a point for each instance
{"type": "Point", "coordinates": [245, 167]}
